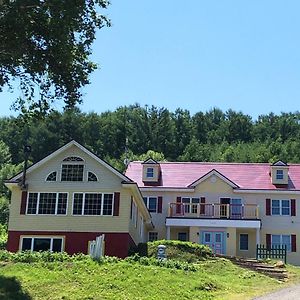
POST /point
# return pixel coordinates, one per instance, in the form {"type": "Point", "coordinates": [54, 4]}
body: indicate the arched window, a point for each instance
{"type": "Point", "coordinates": [51, 176]}
{"type": "Point", "coordinates": [92, 177]}
{"type": "Point", "coordinates": [72, 169]}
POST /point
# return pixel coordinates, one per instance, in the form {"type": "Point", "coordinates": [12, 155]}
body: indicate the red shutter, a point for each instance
{"type": "Point", "coordinates": [116, 203]}
{"type": "Point", "coordinates": [293, 240]}
{"type": "Point", "coordinates": [159, 204]}
{"type": "Point", "coordinates": [178, 206]}
{"type": "Point", "coordinates": [268, 207]}
{"type": "Point", "coordinates": [23, 203]}
{"type": "Point", "coordinates": [202, 207]}
{"type": "Point", "coordinates": [268, 240]}
{"type": "Point", "coordinates": [293, 207]}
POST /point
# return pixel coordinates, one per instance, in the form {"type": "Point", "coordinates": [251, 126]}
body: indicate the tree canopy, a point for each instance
{"type": "Point", "coordinates": [45, 47]}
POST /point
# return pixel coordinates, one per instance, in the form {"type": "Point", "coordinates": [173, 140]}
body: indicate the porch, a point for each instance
{"type": "Point", "coordinates": [214, 211]}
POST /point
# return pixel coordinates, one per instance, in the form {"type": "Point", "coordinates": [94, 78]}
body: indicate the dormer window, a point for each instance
{"type": "Point", "coordinates": [150, 173]}
{"type": "Point", "coordinates": [51, 176]}
{"type": "Point", "coordinates": [279, 174]}
{"type": "Point", "coordinates": [72, 169]}
{"type": "Point", "coordinates": [92, 177]}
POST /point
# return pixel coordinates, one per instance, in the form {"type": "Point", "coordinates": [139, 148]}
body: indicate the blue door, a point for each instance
{"type": "Point", "coordinates": [215, 240]}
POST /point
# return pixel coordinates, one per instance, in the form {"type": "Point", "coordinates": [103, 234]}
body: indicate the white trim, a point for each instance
{"type": "Point", "coordinates": [38, 203]}
{"type": "Point", "coordinates": [64, 148]}
{"type": "Point", "coordinates": [280, 208]}
{"type": "Point", "coordinates": [147, 204]}
{"type": "Point", "coordinates": [216, 173]}
{"type": "Point", "coordinates": [51, 237]}
{"type": "Point", "coordinates": [185, 222]}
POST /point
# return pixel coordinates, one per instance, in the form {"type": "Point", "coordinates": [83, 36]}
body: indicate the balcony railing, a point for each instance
{"type": "Point", "coordinates": [214, 211]}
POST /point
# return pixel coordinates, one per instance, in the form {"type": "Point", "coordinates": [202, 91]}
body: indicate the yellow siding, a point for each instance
{"type": "Point", "coordinates": [251, 243]}
{"type": "Point", "coordinates": [156, 169]}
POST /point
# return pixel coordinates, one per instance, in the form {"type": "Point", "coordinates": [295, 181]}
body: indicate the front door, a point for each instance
{"type": "Point", "coordinates": [215, 240]}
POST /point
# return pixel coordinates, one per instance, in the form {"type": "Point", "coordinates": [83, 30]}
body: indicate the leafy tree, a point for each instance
{"type": "Point", "coordinates": [45, 45]}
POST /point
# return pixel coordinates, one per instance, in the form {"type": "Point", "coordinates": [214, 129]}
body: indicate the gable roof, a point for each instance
{"type": "Point", "coordinates": [255, 176]}
{"type": "Point", "coordinates": [150, 161]}
{"type": "Point", "coordinates": [64, 148]}
{"type": "Point", "coordinates": [213, 172]}
{"type": "Point", "coordinates": [280, 163]}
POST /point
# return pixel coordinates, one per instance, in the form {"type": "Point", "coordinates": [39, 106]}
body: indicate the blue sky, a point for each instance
{"type": "Point", "coordinates": [196, 55]}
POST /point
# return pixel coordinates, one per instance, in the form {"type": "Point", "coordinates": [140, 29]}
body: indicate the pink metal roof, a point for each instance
{"type": "Point", "coordinates": [245, 175]}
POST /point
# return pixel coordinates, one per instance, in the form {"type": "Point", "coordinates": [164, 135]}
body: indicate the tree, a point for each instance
{"type": "Point", "coordinates": [45, 45]}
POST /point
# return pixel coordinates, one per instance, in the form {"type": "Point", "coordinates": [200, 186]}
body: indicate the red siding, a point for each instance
{"type": "Point", "coordinates": [202, 207]}
{"type": "Point", "coordinates": [293, 240]}
{"type": "Point", "coordinates": [116, 244]}
{"type": "Point", "coordinates": [268, 207]}
{"type": "Point", "coordinates": [23, 203]}
{"type": "Point", "coordinates": [116, 203]}
{"type": "Point", "coordinates": [293, 207]}
{"type": "Point", "coordinates": [159, 204]}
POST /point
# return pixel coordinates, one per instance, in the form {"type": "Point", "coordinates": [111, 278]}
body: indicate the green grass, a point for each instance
{"type": "Point", "coordinates": [117, 279]}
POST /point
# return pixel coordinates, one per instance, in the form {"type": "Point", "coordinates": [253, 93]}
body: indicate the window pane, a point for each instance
{"type": "Point", "coordinates": [32, 203]}
{"type": "Point", "coordinates": [51, 177]}
{"type": "Point", "coordinates": [40, 244]}
{"type": "Point", "coordinates": [275, 207]}
{"type": "Point", "coordinates": [152, 205]}
{"type": "Point", "coordinates": [243, 241]}
{"type": "Point", "coordinates": [47, 203]}
{"type": "Point", "coordinates": [186, 205]}
{"type": "Point", "coordinates": [72, 173]}
{"type": "Point", "coordinates": [279, 174]}
{"type": "Point", "coordinates": [286, 240]}
{"type": "Point", "coordinates": [107, 204]}
{"type": "Point", "coordinates": [92, 204]}
{"type": "Point", "coordinates": [285, 207]}
{"type": "Point", "coordinates": [150, 172]}
{"type": "Point", "coordinates": [153, 236]}
{"type": "Point", "coordinates": [145, 201]}
{"type": "Point", "coordinates": [26, 244]}
{"type": "Point", "coordinates": [77, 204]}
{"type": "Point", "coordinates": [276, 240]}
{"type": "Point", "coordinates": [207, 237]}
{"type": "Point", "coordinates": [92, 176]}
{"type": "Point", "coordinates": [62, 204]}
{"type": "Point", "coordinates": [182, 236]}
{"type": "Point", "coordinates": [57, 245]}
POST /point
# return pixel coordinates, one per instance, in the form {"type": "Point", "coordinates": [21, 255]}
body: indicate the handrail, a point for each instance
{"type": "Point", "coordinates": [214, 210]}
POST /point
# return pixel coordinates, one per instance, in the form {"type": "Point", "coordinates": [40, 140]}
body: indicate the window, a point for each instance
{"type": "Point", "coordinates": [152, 236]}
{"type": "Point", "coordinates": [72, 172]}
{"type": "Point", "coordinates": [151, 203]}
{"type": "Point", "coordinates": [280, 240]}
{"type": "Point", "coordinates": [182, 236]}
{"type": "Point", "coordinates": [281, 207]}
{"type": "Point", "coordinates": [73, 158]}
{"type": "Point", "coordinates": [47, 204]}
{"type": "Point", "coordinates": [92, 177]}
{"type": "Point", "coordinates": [93, 204]}
{"type": "Point", "coordinates": [150, 173]}
{"type": "Point", "coordinates": [51, 176]}
{"type": "Point", "coordinates": [190, 204]}
{"type": "Point", "coordinates": [279, 174]}
{"type": "Point", "coordinates": [243, 241]}
{"type": "Point", "coordinates": [42, 244]}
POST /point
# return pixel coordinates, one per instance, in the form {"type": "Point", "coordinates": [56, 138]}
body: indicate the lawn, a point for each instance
{"type": "Point", "coordinates": [88, 279]}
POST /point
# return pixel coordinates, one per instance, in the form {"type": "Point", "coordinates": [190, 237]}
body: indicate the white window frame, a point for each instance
{"type": "Point", "coordinates": [147, 203]}
{"type": "Point", "coordinates": [148, 172]}
{"type": "Point", "coordinates": [50, 174]}
{"type": "Point", "coordinates": [279, 174]}
{"type": "Point", "coordinates": [280, 207]}
{"type": "Point", "coordinates": [189, 208]}
{"type": "Point", "coordinates": [247, 241]}
{"type": "Point", "coordinates": [87, 176]}
{"type": "Point", "coordinates": [83, 204]}
{"type": "Point", "coordinates": [38, 202]}
{"type": "Point", "coordinates": [42, 237]}
{"type": "Point", "coordinates": [289, 248]}
{"type": "Point", "coordinates": [82, 162]}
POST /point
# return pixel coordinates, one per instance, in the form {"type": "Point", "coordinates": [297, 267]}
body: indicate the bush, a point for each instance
{"type": "Point", "coordinates": [178, 250]}
{"type": "Point", "coordinates": [3, 237]}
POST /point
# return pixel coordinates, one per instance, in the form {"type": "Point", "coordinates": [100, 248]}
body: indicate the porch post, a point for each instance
{"type": "Point", "coordinates": [257, 236]}
{"type": "Point", "coordinates": [168, 232]}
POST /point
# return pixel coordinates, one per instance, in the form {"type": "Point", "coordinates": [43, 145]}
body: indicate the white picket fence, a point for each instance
{"type": "Point", "coordinates": [97, 247]}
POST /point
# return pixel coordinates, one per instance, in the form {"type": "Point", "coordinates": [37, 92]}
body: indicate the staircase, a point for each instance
{"type": "Point", "coordinates": [261, 267]}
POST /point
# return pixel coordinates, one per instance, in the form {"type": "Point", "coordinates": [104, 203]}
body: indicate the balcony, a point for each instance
{"type": "Point", "coordinates": [214, 211]}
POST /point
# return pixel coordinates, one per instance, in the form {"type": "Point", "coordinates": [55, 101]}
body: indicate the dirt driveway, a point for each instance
{"type": "Point", "coordinates": [289, 293]}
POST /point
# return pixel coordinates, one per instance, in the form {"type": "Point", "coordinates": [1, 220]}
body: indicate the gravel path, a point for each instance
{"type": "Point", "coordinates": [290, 293]}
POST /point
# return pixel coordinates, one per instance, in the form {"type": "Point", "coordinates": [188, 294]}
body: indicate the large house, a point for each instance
{"type": "Point", "coordinates": [72, 196]}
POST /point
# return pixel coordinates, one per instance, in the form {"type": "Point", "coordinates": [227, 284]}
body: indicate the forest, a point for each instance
{"type": "Point", "coordinates": [135, 132]}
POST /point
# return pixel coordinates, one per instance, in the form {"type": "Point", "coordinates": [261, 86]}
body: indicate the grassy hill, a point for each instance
{"type": "Point", "coordinates": [58, 276]}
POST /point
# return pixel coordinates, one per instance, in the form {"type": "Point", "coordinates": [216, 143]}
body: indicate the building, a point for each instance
{"type": "Point", "coordinates": [231, 207]}
{"type": "Point", "coordinates": [70, 198]}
